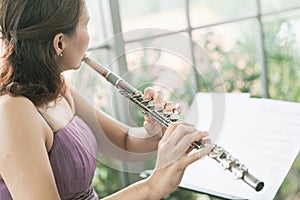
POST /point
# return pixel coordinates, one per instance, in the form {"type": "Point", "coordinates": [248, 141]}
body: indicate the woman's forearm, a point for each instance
{"type": "Point", "coordinates": [138, 141]}
{"type": "Point", "coordinates": [138, 191]}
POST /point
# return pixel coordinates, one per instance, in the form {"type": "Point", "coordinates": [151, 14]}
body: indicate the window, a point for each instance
{"type": "Point", "coordinates": [254, 45]}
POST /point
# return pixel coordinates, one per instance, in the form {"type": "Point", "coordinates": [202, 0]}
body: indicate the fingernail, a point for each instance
{"type": "Point", "coordinates": [159, 95]}
{"type": "Point", "coordinates": [177, 108]}
{"type": "Point", "coordinates": [205, 133]}
{"type": "Point", "coordinates": [147, 96]}
{"type": "Point", "coordinates": [168, 106]}
{"type": "Point", "coordinates": [147, 118]}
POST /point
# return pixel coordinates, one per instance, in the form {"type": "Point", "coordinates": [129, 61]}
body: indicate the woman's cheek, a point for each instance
{"type": "Point", "coordinates": [85, 40]}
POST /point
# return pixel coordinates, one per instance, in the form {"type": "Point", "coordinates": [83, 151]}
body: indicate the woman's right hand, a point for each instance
{"type": "Point", "coordinates": [174, 156]}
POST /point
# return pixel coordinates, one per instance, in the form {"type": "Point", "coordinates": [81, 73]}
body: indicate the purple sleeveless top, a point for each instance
{"type": "Point", "coordinates": [73, 162]}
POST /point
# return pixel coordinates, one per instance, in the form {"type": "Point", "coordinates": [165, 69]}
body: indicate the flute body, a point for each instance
{"type": "Point", "coordinates": [219, 154]}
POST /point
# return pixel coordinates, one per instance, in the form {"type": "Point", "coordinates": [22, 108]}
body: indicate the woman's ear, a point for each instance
{"type": "Point", "coordinates": [58, 44]}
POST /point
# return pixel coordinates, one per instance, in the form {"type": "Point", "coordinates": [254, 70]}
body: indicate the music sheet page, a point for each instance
{"type": "Point", "coordinates": [263, 134]}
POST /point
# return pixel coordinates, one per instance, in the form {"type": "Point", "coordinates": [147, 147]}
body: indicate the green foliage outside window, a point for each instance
{"type": "Point", "coordinates": [283, 58]}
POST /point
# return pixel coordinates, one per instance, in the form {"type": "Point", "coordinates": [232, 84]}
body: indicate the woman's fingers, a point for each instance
{"type": "Point", "coordinates": [191, 148]}
{"type": "Point", "coordinates": [175, 128]}
{"type": "Point", "coordinates": [168, 106]}
{"type": "Point", "coordinates": [185, 143]}
{"type": "Point", "coordinates": [158, 99]}
{"type": "Point", "coordinates": [175, 145]}
{"type": "Point", "coordinates": [187, 134]}
{"type": "Point", "coordinates": [203, 141]}
{"type": "Point", "coordinates": [156, 95]}
{"type": "Point", "coordinates": [187, 160]}
{"type": "Point", "coordinates": [149, 93]}
{"type": "Point", "coordinates": [154, 128]}
{"type": "Point", "coordinates": [177, 108]}
{"type": "Point", "coordinates": [206, 148]}
{"type": "Point", "coordinates": [182, 133]}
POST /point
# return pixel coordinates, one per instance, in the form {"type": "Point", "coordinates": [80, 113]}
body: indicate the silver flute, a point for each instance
{"type": "Point", "coordinates": [226, 161]}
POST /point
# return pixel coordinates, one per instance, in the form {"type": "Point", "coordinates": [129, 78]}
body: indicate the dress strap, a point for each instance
{"type": "Point", "coordinates": [88, 194]}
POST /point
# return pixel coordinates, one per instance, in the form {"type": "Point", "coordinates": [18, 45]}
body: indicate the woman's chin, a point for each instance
{"type": "Point", "coordinates": [71, 68]}
{"type": "Point", "coordinates": [77, 67]}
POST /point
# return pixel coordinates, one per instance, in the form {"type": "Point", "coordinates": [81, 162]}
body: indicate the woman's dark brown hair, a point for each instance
{"type": "Point", "coordinates": [28, 27]}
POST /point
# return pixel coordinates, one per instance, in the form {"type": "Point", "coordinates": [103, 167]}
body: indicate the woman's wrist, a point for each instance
{"type": "Point", "coordinates": [142, 133]}
{"type": "Point", "coordinates": [157, 137]}
{"type": "Point", "coordinates": [155, 190]}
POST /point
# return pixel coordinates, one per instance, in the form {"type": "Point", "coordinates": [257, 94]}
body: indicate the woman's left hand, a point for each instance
{"type": "Point", "coordinates": [154, 128]}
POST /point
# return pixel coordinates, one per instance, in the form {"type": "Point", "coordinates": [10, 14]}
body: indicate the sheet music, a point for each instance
{"type": "Point", "coordinates": [263, 134]}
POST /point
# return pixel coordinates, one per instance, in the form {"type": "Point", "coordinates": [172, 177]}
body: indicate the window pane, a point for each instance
{"type": "Point", "coordinates": [283, 46]}
{"type": "Point", "coordinates": [96, 26]}
{"type": "Point", "coordinates": [276, 5]}
{"type": "Point", "coordinates": [233, 49]}
{"type": "Point", "coordinates": [167, 14]}
{"type": "Point", "coordinates": [205, 12]}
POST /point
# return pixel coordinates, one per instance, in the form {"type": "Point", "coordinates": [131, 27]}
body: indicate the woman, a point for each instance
{"type": "Point", "coordinates": [49, 134]}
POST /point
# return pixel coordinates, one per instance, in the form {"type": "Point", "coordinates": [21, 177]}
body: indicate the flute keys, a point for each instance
{"type": "Point", "coordinates": [225, 164]}
{"type": "Point", "coordinates": [145, 102]}
{"type": "Point", "coordinates": [199, 144]}
{"type": "Point", "coordinates": [194, 146]}
{"type": "Point", "coordinates": [167, 113]}
{"type": "Point", "coordinates": [238, 173]}
{"type": "Point", "coordinates": [174, 117]}
{"type": "Point", "coordinates": [150, 105]}
{"type": "Point", "coordinates": [216, 152]}
{"type": "Point", "coordinates": [138, 94]}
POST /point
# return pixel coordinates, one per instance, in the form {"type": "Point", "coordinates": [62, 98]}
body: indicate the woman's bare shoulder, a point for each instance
{"type": "Point", "coordinates": [10, 106]}
{"type": "Point", "coordinates": [10, 100]}
{"type": "Point", "coordinates": [19, 111]}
